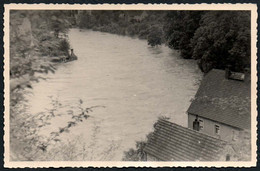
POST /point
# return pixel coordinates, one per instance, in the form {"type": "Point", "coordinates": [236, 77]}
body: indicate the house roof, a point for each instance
{"type": "Point", "coordinates": [171, 142]}
{"type": "Point", "coordinates": [223, 100]}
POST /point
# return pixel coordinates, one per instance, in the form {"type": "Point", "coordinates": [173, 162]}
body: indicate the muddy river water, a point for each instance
{"type": "Point", "coordinates": [132, 83]}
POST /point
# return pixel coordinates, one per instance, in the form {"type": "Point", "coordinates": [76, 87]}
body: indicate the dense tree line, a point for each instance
{"type": "Point", "coordinates": [216, 39]}
{"type": "Point", "coordinates": [142, 24]}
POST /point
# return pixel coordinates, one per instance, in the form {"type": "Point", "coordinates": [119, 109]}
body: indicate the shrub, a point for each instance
{"type": "Point", "coordinates": [155, 36]}
{"type": "Point", "coordinates": [64, 46]}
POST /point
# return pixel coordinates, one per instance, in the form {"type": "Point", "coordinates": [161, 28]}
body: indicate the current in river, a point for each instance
{"type": "Point", "coordinates": [131, 85]}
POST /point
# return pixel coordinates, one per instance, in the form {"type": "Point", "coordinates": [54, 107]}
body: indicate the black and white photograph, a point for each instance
{"type": "Point", "coordinates": [124, 85]}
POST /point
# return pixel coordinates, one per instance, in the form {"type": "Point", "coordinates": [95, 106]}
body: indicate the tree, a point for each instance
{"type": "Point", "coordinates": [58, 22]}
{"type": "Point", "coordinates": [155, 36]}
{"type": "Point", "coordinates": [179, 29]}
{"type": "Point", "coordinates": [222, 39]}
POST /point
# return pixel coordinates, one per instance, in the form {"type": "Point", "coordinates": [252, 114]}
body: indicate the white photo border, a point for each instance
{"type": "Point", "coordinates": [56, 164]}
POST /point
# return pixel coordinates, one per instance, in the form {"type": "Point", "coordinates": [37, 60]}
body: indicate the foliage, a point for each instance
{"type": "Point", "coordinates": [222, 39]}
{"type": "Point", "coordinates": [85, 20]}
{"type": "Point", "coordinates": [180, 28]}
{"type": "Point", "coordinates": [131, 23]}
{"type": "Point", "coordinates": [32, 43]}
{"type": "Point", "coordinates": [155, 36]}
{"type": "Point", "coordinates": [137, 154]}
{"type": "Point", "coordinates": [64, 46]}
{"type": "Point", "coordinates": [28, 143]}
{"type": "Point", "coordinates": [215, 38]}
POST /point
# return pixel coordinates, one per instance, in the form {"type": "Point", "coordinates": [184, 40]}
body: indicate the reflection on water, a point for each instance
{"type": "Point", "coordinates": [135, 83]}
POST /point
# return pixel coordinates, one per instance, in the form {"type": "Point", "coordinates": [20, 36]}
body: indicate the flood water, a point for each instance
{"type": "Point", "coordinates": [131, 83]}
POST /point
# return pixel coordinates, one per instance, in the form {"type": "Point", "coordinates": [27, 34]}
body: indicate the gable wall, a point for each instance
{"type": "Point", "coordinates": [226, 132]}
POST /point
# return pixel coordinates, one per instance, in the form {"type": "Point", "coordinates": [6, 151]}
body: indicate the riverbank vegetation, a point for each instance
{"type": "Point", "coordinates": [35, 38]}
{"type": "Point", "coordinates": [216, 39]}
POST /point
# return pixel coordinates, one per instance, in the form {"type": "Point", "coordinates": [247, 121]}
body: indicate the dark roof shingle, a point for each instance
{"type": "Point", "coordinates": [223, 100]}
{"type": "Point", "coordinates": [171, 142]}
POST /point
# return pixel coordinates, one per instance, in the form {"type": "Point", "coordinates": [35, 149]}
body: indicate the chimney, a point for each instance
{"type": "Point", "coordinates": [227, 72]}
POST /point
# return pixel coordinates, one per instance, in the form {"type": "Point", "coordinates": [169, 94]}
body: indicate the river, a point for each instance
{"type": "Point", "coordinates": [133, 84]}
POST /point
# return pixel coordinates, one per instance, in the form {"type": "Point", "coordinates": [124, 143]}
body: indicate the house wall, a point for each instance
{"type": "Point", "coordinates": [226, 133]}
{"type": "Point", "coordinates": [228, 150]}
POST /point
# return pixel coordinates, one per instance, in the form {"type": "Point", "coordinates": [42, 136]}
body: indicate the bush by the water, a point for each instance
{"type": "Point", "coordinates": [155, 36]}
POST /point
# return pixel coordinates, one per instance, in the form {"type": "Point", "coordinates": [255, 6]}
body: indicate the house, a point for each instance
{"type": "Point", "coordinates": [171, 142]}
{"type": "Point", "coordinates": [221, 107]}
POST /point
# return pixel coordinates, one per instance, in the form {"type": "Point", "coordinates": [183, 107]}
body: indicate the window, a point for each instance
{"type": "Point", "coordinates": [217, 129]}
{"type": "Point", "coordinates": [201, 124]}
{"type": "Point", "coordinates": [196, 124]}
